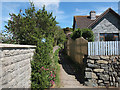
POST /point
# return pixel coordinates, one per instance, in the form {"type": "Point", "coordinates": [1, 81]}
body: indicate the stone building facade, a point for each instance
{"type": "Point", "coordinates": [103, 26]}
{"type": "Point", "coordinates": [107, 24]}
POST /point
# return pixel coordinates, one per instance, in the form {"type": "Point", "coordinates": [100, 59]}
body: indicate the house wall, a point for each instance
{"type": "Point", "coordinates": [108, 24]}
{"type": "Point", "coordinates": [15, 66]}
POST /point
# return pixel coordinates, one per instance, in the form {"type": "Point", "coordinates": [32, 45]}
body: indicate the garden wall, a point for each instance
{"type": "Point", "coordinates": [102, 71]}
{"type": "Point", "coordinates": [15, 67]}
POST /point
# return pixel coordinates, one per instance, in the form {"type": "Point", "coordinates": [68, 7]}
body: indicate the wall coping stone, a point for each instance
{"type": "Point", "coordinates": [16, 46]}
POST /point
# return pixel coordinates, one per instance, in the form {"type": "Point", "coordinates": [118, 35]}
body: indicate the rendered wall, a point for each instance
{"type": "Point", "coordinates": [15, 67]}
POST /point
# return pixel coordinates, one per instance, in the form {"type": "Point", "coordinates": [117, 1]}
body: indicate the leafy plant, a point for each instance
{"type": "Point", "coordinates": [76, 34]}
{"type": "Point", "coordinates": [67, 30]}
{"type": "Point", "coordinates": [86, 33]}
{"type": "Point", "coordinates": [59, 37]}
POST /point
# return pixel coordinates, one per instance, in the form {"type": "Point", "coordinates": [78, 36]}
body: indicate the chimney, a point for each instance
{"type": "Point", "coordinates": [93, 15]}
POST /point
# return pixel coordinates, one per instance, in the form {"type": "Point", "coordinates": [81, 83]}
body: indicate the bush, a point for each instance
{"type": "Point", "coordinates": [86, 33]}
{"type": "Point", "coordinates": [59, 37]}
{"type": "Point", "coordinates": [76, 34]}
{"type": "Point", "coordinates": [42, 65]}
{"type": "Point", "coordinates": [45, 68]}
{"type": "Point", "coordinates": [67, 30]}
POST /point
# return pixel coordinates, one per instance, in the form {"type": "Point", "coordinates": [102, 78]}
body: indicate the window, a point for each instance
{"type": "Point", "coordinates": [109, 37]}
{"type": "Point", "coordinates": [102, 37]}
{"type": "Point", "coordinates": [116, 37]}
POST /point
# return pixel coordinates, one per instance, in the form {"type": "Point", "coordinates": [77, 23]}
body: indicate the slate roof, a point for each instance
{"type": "Point", "coordinates": [83, 21]}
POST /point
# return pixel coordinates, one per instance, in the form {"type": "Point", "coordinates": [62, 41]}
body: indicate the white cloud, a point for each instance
{"type": "Point", "coordinates": [6, 18]}
{"type": "Point", "coordinates": [77, 10]}
{"type": "Point", "coordinates": [81, 11]}
{"type": "Point", "coordinates": [100, 10]}
{"type": "Point", "coordinates": [51, 6]}
{"type": "Point", "coordinates": [0, 24]}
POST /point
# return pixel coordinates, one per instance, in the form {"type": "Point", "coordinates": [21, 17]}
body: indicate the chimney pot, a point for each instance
{"type": "Point", "coordinates": [92, 15]}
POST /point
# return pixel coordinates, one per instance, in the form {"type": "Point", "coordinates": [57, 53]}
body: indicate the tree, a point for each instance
{"type": "Point", "coordinates": [59, 37]}
{"type": "Point", "coordinates": [86, 33]}
{"type": "Point", "coordinates": [67, 30]}
{"type": "Point", "coordinates": [29, 26]}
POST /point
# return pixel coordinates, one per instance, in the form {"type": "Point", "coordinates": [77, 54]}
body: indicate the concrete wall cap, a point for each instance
{"type": "Point", "coordinates": [16, 46]}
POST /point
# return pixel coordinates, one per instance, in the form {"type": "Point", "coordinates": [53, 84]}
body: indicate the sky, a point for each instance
{"type": "Point", "coordinates": [64, 11]}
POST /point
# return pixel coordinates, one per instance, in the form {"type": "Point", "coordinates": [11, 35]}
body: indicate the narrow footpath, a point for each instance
{"type": "Point", "coordinates": [67, 75]}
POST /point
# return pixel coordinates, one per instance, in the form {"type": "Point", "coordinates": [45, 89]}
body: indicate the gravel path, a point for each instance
{"type": "Point", "coordinates": [67, 75]}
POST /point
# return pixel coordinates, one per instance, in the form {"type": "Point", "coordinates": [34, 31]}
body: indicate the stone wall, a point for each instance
{"type": "Point", "coordinates": [15, 67]}
{"type": "Point", "coordinates": [102, 71]}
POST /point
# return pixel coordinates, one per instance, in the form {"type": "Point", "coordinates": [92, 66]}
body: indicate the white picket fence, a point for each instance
{"type": "Point", "coordinates": [104, 48]}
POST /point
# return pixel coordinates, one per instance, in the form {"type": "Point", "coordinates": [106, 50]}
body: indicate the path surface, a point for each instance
{"type": "Point", "coordinates": [67, 75]}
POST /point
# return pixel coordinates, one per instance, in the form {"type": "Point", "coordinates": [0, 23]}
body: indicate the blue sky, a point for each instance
{"type": "Point", "coordinates": [64, 11]}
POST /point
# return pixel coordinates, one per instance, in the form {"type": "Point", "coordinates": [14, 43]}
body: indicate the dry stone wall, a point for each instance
{"type": "Point", "coordinates": [15, 67]}
{"type": "Point", "coordinates": [102, 71]}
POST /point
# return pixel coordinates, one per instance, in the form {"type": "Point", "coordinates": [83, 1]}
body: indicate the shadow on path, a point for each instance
{"type": "Point", "coordinates": [70, 68]}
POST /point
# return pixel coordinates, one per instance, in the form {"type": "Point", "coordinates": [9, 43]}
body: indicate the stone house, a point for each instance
{"type": "Point", "coordinates": [106, 27]}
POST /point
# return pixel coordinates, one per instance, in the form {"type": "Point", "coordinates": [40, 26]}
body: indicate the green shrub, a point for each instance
{"type": "Point", "coordinates": [42, 67]}
{"type": "Point", "coordinates": [76, 34]}
{"type": "Point", "coordinates": [86, 33]}
{"type": "Point", "coordinates": [45, 70]}
{"type": "Point", "coordinates": [59, 37]}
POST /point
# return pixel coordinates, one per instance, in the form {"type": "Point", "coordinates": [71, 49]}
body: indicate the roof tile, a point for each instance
{"type": "Point", "coordinates": [83, 21]}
